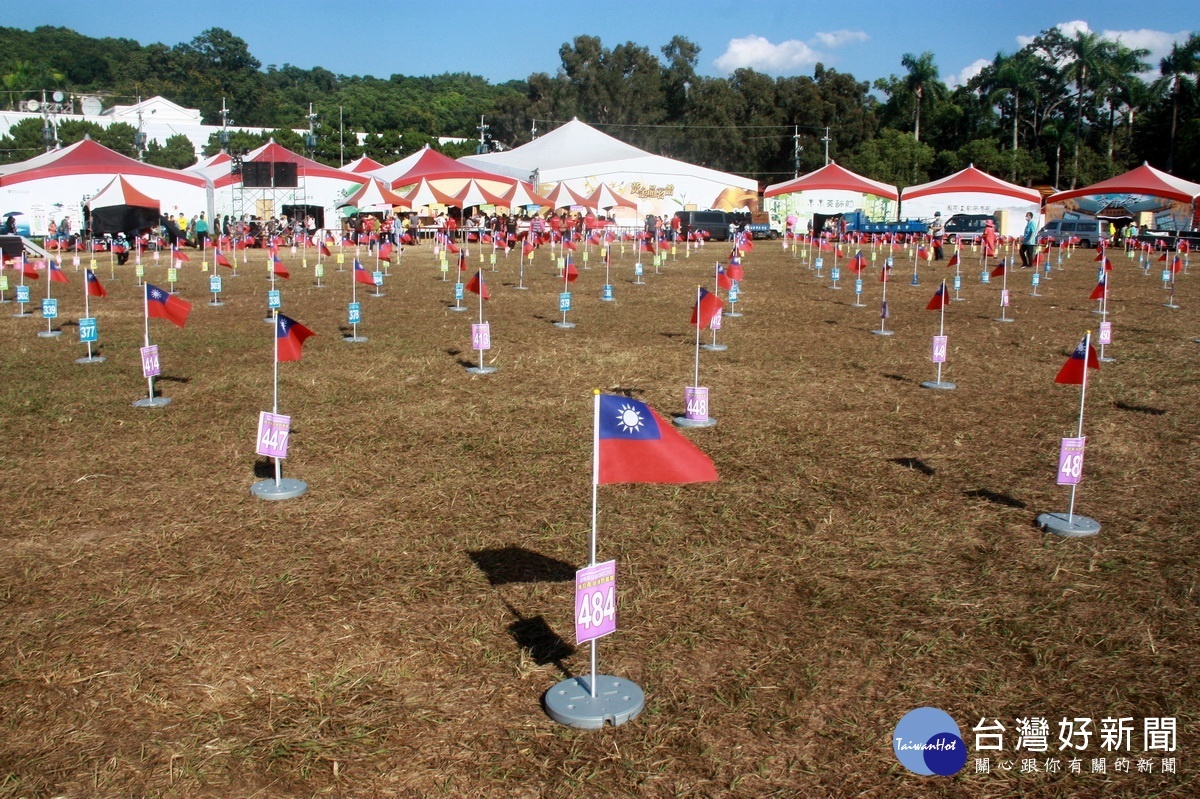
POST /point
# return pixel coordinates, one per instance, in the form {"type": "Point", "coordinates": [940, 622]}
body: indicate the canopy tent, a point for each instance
{"type": "Point", "coordinates": [582, 157]}
{"type": "Point", "coordinates": [522, 195]}
{"type": "Point", "coordinates": [829, 191]}
{"type": "Point", "coordinates": [361, 165]}
{"type": "Point", "coordinates": [57, 184]}
{"type": "Point", "coordinates": [604, 198]}
{"type": "Point", "coordinates": [1144, 189]}
{"type": "Point", "coordinates": [561, 196]}
{"type": "Point", "coordinates": [972, 191]}
{"type": "Point", "coordinates": [374, 197]}
{"type": "Point", "coordinates": [424, 194]}
{"type": "Point", "coordinates": [442, 172]}
{"type": "Point", "coordinates": [474, 195]}
{"type": "Point", "coordinates": [120, 207]}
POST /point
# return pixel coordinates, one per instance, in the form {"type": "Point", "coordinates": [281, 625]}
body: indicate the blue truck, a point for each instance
{"type": "Point", "coordinates": [857, 222]}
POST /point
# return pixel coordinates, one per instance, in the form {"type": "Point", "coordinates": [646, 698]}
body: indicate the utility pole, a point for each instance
{"type": "Point", "coordinates": [826, 140]}
{"type": "Point", "coordinates": [533, 130]}
{"type": "Point", "coordinates": [341, 138]}
{"type": "Point", "coordinates": [139, 138]}
{"type": "Point", "coordinates": [310, 141]}
{"type": "Point", "coordinates": [483, 132]}
{"type": "Point", "coordinates": [795, 151]}
{"type": "Point", "coordinates": [224, 136]}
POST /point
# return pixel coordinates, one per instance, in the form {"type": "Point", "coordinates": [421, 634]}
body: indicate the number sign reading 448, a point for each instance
{"type": "Point", "coordinates": [273, 432]}
{"type": "Point", "coordinates": [595, 601]}
{"type": "Point", "coordinates": [1070, 461]}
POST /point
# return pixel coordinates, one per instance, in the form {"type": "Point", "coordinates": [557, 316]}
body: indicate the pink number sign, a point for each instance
{"type": "Point", "coordinates": [715, 322]}
{"type": "Point", "coordinates": [481, 336]}
{"type": "Point", "coordinates": [150, 366]}
{"type": "Point", "coordinates": [595, 601]}
{"type": "Point", "coordinates": [695, 399]}
{"type": "Point", "coordinates": [1070, 461]}
{"type": "Point", "coordinates": [939, 349]}
{"type": "Point", "coordinates": [1004, 298]}
{"type": "Point", "coordinates": [1106, 333]}
{"type": "Point", "coordinates": [273, 432]}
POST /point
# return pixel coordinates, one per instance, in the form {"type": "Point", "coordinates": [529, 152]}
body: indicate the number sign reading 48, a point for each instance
{"type": "Point", "coordinates": [1070, 461]}
{"type": "Point", "coordinates": [595, 601]}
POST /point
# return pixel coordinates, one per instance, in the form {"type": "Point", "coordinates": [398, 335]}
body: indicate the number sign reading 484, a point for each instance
{"type": "Point", "coordinates": [1070, 461]}
{"type": "Point", "coordinates": [273, 432]}
{"type": "Point", "coordinates": [595, 601]}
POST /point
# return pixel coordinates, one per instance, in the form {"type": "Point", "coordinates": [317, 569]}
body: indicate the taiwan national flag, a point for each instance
{"type": "Point", "coordinates": [634, 445]}
{"type": "Point", "coordinates": [885, 272]}
{"type": "Point", "coordinates": [735, 272]}
{"type": "Point", "coordinates": [857, 264]}
{"type": "Point", "coordinates": [923, 253]}
{"type": "Point", "coordinates": [527, 250]}
{"type": "Point", "coordinates": [462, 261]}
{"type": "Point", "coordinates": [1072, 372]}
{"type": "Point", "coordinates": [476, 286]}
{"type": "Point", "coordinates": [325, 253]}
{"type": "Point", "coordinates": [161, 305]}
{"type": "Point", "coordinates": [570, 273]}
{"type": "Point", "coordinates": [1040, 258]}
{"type": "Point", "coordinates": [1107, 265]}
{"type": "Point", "coordinates": [452, 247]}
{"type": "Point", "coordinates": [1162, 258]}
{"type": "Point", "coordinates": [938, 301]}
{"type": "Point", "coordinates": [57, 275]}
{"type": "Point", "coordinates": [724, 281]}
{"type": "Point", "coordinates": [94, 288]}
{"type": "Point", "coordinates": [1100, 290]}
{"type": "Point", "coordinates": [277, 266]}
{"type": "Point", "coordinates": [28, 270]}
{"type": "Point", "coordinates": [178, 254]}
{"type": "Point", "coordinates": [707, 307]}
{"type": "Point", "coordinates": [999, 270]}
{"type": "Point", "coordinates": [385, 251]}
{"type": "Point", "coordinates": [361, 275]}
{"type": "Point", "coordinates": [221, 260]}
{"type": "Point", "coordinates": [953, 262]}
{"type": "Point", "coordinates": [1176, 265]}
{"type": "Point", "coordinates": [289, 338]}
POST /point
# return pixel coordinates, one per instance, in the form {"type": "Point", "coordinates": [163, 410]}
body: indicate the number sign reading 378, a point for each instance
{"type": "Point", "coordinates": [1070, 461]}
{"type": "Point", "coordinates": [595, 601]}
{"type": "Point", "coordinates": [273, 432]}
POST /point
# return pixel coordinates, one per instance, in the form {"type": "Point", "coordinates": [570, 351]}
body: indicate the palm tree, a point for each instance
{"type": "Point", "coordinates": [1120, 82]}
{"type": "Point", "coordinates": [1178, 68]}
{"type": "Point", "coordinates": [1012, 74]}
{"type": "Point", "coordinates": [1087, 52]}
{"type": "Point", "coordinates": [922, 79]}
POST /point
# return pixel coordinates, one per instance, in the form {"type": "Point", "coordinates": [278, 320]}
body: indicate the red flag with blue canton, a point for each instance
{"type": "Point", "coordinates": [289, 337]}
{"type": "Point", "coordinates": [735, 271]}
{"type": "Point", "coordinates": [953, 262]}
{"type": "Point", "coordinates": [221, 260]}
{"type": "Point", "coordinates": [385, 251]}
{"type": "Point", "coordinates": [724, 281]}
{"type": "Point", "coordinates": [999, 270]}
{"type": "Point", "coordinates": [161, 305]}
{"type": "Point", "coordinates": [57, 275]}
{"type": "Point", "coordinates": [28, 270]}
{"type": "Point", "coordinates": [857, 264]}
{"type": "Point", "coordinates": [361, 275]}
{"type": "Point", "coordinates": [476, 286]}
{"type": "Point", "coordinates": [1073, 370]}
{"type": "Point", "coordinates": [94, 288]}
{"type": "Point", "coordinates": [178, 254]}
{"type": "Point", "coordinates": [707, 307]}
{"type": "Point", "coordinates": [938, 301]}
{"type": "Point", "coordinates": [635, 445]}
{"type": "Point", "coordinates": [325, 251]}
{"type": "Point", "coordinates": [570, 273]}
{"type": "Point", "coordinates": [1101, 288]}
{"type": "Point", "coordinates": [277, 266]}
{"type": "Point", "coordinates": [1177, 265]}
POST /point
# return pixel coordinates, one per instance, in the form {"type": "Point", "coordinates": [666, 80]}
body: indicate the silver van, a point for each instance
{"type": "Point", "coordinates": [1089, 231]}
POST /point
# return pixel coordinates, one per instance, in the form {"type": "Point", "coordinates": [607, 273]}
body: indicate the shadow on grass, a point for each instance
{"type": "Point", "coordinates": [264, 468]}
{"type": "Point", "coordinates": [995, 497]}
{"type": "Point", "coordinates": [914, 463]}
{"type": "Point", "coordinates": [544, 646]}
{"type": "Point", "coordinates": [513, 564]}
{"type": "Point", "coordinates": [171, 379]}
{"type": "Point", "coordinates": [1146, 409]}
{"type": "Point", "coordinates": [899, 378]}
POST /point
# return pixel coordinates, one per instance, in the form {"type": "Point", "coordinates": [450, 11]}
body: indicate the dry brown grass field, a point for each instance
{"type": "Point", "coordinates": [869, 548]}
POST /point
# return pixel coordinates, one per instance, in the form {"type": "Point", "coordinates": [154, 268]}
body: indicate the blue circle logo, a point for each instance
{"type": "Point", "coordinates": [927, 742]}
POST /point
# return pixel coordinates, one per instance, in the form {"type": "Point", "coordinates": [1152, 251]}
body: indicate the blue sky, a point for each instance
{"type": "Point", "coordinates": [506, 41]}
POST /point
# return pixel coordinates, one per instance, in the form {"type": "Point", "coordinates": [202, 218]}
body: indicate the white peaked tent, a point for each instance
{"type": "Point", "coordinates": [374, 197]}
{"type": "Point", "coordinates": [972, 191]}
{"type": "Point", "coordinates": [583, 158]}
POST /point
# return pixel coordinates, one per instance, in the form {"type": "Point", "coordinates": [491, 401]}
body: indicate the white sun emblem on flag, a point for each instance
{"type": "Point", "coordinates": [629, 420]}
{"type": "Point", "coordinates": [156, 294]}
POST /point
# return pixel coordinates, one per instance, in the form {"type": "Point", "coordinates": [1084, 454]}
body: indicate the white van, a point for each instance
{"type": "Point", "coordinates": [1089, 231]}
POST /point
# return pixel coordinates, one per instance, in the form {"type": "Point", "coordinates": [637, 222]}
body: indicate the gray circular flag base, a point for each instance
{"type": "Point", "coordinates": [20, 314]}
{"type": "Point", "coordinates": [320, 286]}
{"type": "Point", "coordinates": [617, 701]}
{"type": "Point", "coordinates": [481, 370]}
{"type": "Point", "coordinates": [521, 288]}
{"type": "Point", "coordinates": [858, 305]}
{"type": "Point", "coordinates": [1170, 305]}
{"type": "Point", "coordinates": [286, 488]}
{"type": "Point", "coordinates": [1106, 359]}
{"type": "Point", "coordinates": [732, 315]}
{"type": "Point", "coordinates": [883, 332]}
{"type": "Point", "coordinates": [354, 339]}
{"type": "Point", "coordinates": [608, 299]}
{"type": "Point", "coordinates": [91, 359]}
{"type": "Point", "coordinates": [1099, 313]}
{"type": "Point", "coordinates": [564, 325]}
{"type": "Point", "coordinates": [939, 384]}
{"type": "Point", "coordinates": [683, 421]}
{"type": "Point", "coordinates": [215, 303]}
{"type": "Point", "coordinates": [270, 320]}
{"type": "Point", "coordinates": [958, 299]}
{"type": "Point", "coordinates": [152, 402]}
{"type": "Point", "coordinates": [382, 294]}
{"type": "Point", "coordinates": [1003, 319]}
{"type": "Point", "coordinates": [1076, 527]}
{"type": "Point", "coordinates": [714, 347]}
{"type": "Point", "coordinates": [836, 288]}
{"type": "Point", "coordinates": [458, 308]}
{"type": "Point", "coordinates": [49, 333]}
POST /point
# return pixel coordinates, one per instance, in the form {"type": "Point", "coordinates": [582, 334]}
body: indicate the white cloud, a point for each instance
{"type": "Point", "coordinates": [970, 71]}
{"type": "Point", "coordinates": [759, 53]}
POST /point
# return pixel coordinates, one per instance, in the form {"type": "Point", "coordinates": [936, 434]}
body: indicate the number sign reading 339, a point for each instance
{"type": "Point", "coordinates": [595, 601]}
{"type": "Point", "coordinates": [273, 432]}
{"type": "Point", "coordinates": [1070, 461]}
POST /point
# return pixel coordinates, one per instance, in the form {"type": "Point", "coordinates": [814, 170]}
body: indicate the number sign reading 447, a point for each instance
{"type": "Point", "coordinates": [595, 601]}
{"type": "Point", "coordinates": [273, 432]}
{"type": "Point", "coordinates": [1070, 461]}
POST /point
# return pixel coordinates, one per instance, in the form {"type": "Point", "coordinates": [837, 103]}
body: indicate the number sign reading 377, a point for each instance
{"type": "Point", "coordinates": [273, 432]}
{"type": "Point", "coordinates": [595, 601]}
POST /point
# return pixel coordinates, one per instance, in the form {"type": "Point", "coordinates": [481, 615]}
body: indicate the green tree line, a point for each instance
{"type": "Point", "coordinates": [1063, 110]}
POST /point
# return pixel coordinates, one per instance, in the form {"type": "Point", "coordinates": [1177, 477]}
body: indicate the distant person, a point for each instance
{"type": "Point", "coordinates": [989, 239]}
{"type": "Point", "coordinates": [1028, 241]}
{"type": "Point", "coordinates": [937, 232]}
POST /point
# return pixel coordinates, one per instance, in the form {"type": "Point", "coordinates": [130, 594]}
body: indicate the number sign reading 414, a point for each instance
{"type": "Point", "coordinates": [274, 430]}
{"type": "Point", "coordinates": [595, 601]}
